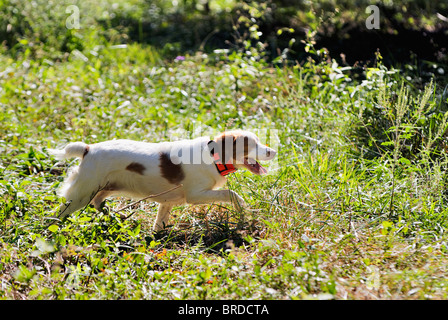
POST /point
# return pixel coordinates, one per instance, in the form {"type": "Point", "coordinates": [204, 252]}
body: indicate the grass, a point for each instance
{"type": "Point", "coordinates": [354, 208]}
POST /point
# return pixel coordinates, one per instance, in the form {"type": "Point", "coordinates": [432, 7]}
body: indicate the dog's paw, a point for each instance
{"type": "Point", "coordinates": [238, 202]}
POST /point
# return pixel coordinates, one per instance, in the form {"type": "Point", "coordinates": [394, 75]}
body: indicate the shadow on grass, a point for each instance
{"type": "Point", "coordinates": [212, 237]}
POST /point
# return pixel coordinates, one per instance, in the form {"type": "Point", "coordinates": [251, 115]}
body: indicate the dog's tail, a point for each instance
{"type": "Point", "coordinates": [72, 150]}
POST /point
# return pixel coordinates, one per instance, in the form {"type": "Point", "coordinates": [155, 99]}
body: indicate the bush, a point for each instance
{"type": "Point", "coordinates": [46, 29]}
{"type": "Point", "coordinates": [396, 119]}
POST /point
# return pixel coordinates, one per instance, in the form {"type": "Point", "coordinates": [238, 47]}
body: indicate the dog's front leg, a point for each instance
{"type": "Point", "coordinates": [163, 215]}
{"type": "Point", "coordinates": [210, 196]}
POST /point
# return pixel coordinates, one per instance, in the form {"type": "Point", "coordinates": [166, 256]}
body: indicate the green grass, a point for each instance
{"type": "Point", "coordinates": [354, 208]}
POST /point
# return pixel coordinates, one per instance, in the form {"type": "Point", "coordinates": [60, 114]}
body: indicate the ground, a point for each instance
{"type": "Point", "coordinates": [354, 207]}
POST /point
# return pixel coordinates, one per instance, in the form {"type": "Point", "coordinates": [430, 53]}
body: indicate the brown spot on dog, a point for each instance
{"type": "Point", "coordinates": [231, 144]}
{"type": "Point", "coordinates": [136, 167]}
{"type": "Point", "coordinates": [170, 171]}
{"type": "Point", "coordinates": [86, 151]}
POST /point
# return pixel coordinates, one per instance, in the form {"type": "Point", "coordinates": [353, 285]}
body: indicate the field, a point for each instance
{"type": "Point", "coordinates": [354, 207]}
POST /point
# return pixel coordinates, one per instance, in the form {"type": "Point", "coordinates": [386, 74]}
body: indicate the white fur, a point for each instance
{"type": "Point", "coordinates": [103, 172]}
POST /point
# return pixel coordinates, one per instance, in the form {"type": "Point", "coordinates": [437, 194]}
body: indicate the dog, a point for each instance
{"type": "Point", "coordinates": [138, 169]}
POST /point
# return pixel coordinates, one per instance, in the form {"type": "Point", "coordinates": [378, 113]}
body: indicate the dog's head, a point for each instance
{"type": "Point", "coordinates": [243, 149]}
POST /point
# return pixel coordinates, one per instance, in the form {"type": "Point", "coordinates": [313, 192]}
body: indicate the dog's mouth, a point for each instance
{"type": "Point", "coordinates": [254, 166]}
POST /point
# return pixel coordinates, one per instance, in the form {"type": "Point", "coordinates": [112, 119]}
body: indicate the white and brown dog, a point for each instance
{"type": "Point", "coordinates": [138, 169]}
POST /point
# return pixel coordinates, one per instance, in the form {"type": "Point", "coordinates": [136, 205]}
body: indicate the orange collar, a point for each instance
{"type": "Point", "coordinates": [223, 169]}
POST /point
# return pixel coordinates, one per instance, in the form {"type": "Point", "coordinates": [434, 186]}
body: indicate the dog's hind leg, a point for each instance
{"type": "Point", "coordinates": [99, 198]}
{"type": "Point", "coordinates": [77, 194]}
{"type": "Point", "coordinates": [69, 207]}
{"type": "Point", "coordinates": [74, 203]}
{"type": "Point", "coordinates": [163, 215]}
